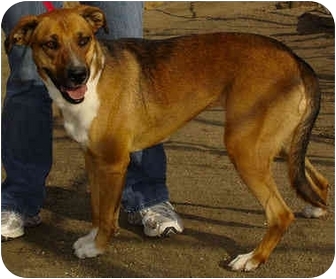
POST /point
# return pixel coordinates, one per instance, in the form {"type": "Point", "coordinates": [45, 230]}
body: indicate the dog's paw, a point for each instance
{"type": "Point", "coordinates": [313, 212]}
{"type": "Point", "coordinates": [244, 262]}
{"type": "Point", "coordinates": [85, 247]}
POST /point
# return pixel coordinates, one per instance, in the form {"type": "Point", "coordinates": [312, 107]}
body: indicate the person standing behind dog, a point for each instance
{"type": "Point", "coordinates": [27, 137]}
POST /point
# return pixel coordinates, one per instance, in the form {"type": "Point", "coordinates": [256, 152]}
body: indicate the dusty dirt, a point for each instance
{"type": "Point", "coordinates": [221, 217]}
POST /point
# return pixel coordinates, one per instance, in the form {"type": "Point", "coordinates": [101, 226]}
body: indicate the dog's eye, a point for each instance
{"type": "Point", "coordinates": [51, 45]}
{"type": "Point", "coordinates": [84, 41]}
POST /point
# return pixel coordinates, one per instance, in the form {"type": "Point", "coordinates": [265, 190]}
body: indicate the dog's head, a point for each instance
{"type": "Point", "coordinates": [63, 46]}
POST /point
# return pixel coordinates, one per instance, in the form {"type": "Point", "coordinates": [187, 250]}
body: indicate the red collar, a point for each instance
{"type": "Point", "coordinates": [48, 5]}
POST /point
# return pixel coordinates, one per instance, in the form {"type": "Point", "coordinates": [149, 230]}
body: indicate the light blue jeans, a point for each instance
{"type": "Point", "coordinates": [27, 122]}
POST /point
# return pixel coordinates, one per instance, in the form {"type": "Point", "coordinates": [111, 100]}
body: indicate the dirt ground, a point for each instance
{"type": "Point", "coordinates": [221, 217]}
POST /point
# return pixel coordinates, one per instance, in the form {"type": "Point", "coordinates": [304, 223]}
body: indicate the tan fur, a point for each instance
{"type": "Point", "coordinates": [148, 89]}
{"type": "Point", "coordinates": [70, 4]}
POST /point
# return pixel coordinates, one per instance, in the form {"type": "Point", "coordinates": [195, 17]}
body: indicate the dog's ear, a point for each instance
{"type": "Point", "coordinates": [94, 16]}
{"type": "Point", "coordinates": [21, 33]}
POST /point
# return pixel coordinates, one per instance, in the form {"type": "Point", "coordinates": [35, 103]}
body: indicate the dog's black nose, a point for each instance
{"type": "Point", "coordinates": [77, 75]}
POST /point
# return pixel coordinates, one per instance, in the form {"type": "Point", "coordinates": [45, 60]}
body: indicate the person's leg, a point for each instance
{"type": "Point", "coordinates": [26, 132]}
{"type": "Point", "coordinates": [146, 197]}
{"type": "Point", "coordinates": [145, 192]}
{"type": "Point", "coordinates": [146, 179]}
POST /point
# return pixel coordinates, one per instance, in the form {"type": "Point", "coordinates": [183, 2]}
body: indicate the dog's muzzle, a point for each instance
{"type": "Point", "coordinates": [75, 87]}
{"type": "Point", "coordinates": [72, 83]}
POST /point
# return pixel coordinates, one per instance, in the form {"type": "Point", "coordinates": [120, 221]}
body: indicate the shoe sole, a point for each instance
{"type": "Point", "coordinates": [19, 233]}
{"type": "Point", "coordinates": [5, 238]}
{"type": "Point", "coordinates": [9, 238]}
{"type": "Point", "coordinates": [168, 231]}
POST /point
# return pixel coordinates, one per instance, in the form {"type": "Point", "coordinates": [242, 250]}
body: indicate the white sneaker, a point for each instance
{"type": "Point", "coordinates": [13, 224]}
{"type": "Point", "coordinates": [158, 220]}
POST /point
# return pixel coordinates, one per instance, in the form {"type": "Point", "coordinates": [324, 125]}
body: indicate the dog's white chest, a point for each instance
{"type": "Point", "coordinates": [78, 117]}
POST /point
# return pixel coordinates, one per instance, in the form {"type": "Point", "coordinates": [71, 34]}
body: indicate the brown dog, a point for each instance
{"type": "Point", "coordinates": [126, 95]}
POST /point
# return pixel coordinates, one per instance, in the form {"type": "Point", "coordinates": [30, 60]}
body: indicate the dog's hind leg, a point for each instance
{"type": "Point", "coordinates": [256, 130]}
{"type": "Point", "coordinates": [315, 178]}
{"type": "Point", "coordinates": [253, 162]}
{"type": "Point", "coordinates": [318, 181]}
{"type": "Point", "coordinates": [253, 137]}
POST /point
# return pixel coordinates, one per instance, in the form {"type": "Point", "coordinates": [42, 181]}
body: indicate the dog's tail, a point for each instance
{"type": "Point", "coordinates": [305, 188]}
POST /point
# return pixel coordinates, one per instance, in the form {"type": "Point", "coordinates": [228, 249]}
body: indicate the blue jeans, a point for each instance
{"type": "Point", "coordinates": [27, 123]}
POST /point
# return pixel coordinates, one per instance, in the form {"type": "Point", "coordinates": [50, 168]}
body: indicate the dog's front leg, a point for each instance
{"type": "Point", "coordinates": [106, 183]}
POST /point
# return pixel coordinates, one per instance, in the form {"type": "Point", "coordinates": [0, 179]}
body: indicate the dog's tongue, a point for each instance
{"type": "Point", "coordinates": [77, 93]}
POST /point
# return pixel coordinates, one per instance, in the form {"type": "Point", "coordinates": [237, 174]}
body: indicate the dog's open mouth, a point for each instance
{"type": "Point", "coordinates": [74, 95]}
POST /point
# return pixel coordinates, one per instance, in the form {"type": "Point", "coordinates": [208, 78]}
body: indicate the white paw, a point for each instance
{"type": "Point", "coordinates": [85, 247]}
{"type": "Point", "coordinates": [244, 262]}
{"type": "Point", "coordinates": [313, 212]}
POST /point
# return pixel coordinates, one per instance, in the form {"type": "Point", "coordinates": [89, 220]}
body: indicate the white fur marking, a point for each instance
{"type": "Point", "coordinates": [244, 262]}
{"type": "Point", "coordinates": [85, 246]}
